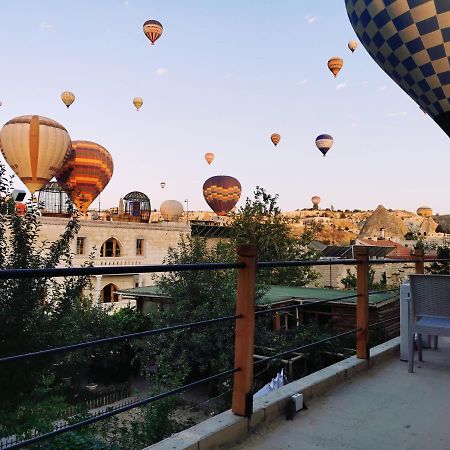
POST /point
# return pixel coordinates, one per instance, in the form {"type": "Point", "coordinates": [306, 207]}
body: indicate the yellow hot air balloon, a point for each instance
{"type": "Point", "coordinates": [138, 102]}
{"type": "Point", "coordinates": [35, 148]}
{"type": "Point", "coordinates": [68, 98]}
{"type": "Point", "coordinates": [335, 65]}
{"type": "Point", "coordinates": [352, 45]}
{"type": "Point", "coordinates": [209, 157]}
{"type": "Point", "coordinates": [153, 30]}
{"type": "Point", "coordinates": [275, 138]}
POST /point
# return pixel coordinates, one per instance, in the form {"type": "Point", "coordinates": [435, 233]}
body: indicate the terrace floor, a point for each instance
{"type": "Point", "coordinates": [383, 408]}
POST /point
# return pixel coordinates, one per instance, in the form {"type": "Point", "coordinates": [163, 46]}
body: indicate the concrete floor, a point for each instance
{"type": "Point", "coordinates": [384, 408]}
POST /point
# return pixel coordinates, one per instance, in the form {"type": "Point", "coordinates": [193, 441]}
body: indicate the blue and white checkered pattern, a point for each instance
{"type": "Point", "coordinates": [410, 41]}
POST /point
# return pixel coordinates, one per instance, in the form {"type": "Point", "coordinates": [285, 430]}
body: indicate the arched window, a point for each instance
{"type": "Point", "coordinates": [108, 293]}
{"type": "Point", "coordinates": [110, 248]}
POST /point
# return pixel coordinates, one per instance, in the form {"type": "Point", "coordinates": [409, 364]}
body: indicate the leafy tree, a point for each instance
{"type": "Point", "coordinates": [261, 223]}
{"type": "Point", "coordinates": [441, 268]}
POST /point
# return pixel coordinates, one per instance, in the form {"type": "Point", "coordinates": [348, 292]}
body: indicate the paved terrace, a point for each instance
{"type": "Point", "coordinates": [349, 407]}
{"type": "Point", "coordinates": [383, 408]}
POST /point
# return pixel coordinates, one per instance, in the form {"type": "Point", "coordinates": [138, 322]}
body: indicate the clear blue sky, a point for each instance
{"type": "Point", "coordinates": [222, 78]}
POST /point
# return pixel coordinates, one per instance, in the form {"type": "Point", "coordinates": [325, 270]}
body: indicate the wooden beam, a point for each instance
{"type": "Point", "coordinates": [419, 265]}
{"type": "Point", "coordinates": [362, 302]}
{"type": "Point", "coordinates": [242, 401]}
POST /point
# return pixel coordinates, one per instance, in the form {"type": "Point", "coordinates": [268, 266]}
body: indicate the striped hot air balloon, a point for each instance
{"type": "Point", "coordinates": [86, 173]}
{"type": "Point", "coordinates": [335, 65]}
{"type": "Point", "coordinates": [153, 30]}
{"type": "Point", "coordinates": [324, 143]}
{"type": "Point", "coordinates": [35, 148]}
{"type": "Point", "coordinates": [221, 192]}
{"type": "Point", "coordinates": [275, 138]}
{"type": "Point", "coordinates": [410, 41]}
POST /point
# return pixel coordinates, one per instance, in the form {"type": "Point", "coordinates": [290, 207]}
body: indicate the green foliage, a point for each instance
{"type": "Point", "coordinates": [440, 268]}
{"type": "Point", "coordinates": [261, 223]}
{"type": "Point", "coordinates": [349, 281]}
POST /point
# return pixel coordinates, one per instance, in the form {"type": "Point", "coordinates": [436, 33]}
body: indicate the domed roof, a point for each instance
{"type": "Point", "coordinates": [136, 196]}
{"type": "Point", "coordinates": [171, 210]}
{"type": "Point", "coordinates": [382, 218]}
{"type": "Point", "coordinates": [424, 211]}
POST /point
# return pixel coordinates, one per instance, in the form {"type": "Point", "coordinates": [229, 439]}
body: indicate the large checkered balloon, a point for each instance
{"type": "Point", "coordinates": [410, 41]}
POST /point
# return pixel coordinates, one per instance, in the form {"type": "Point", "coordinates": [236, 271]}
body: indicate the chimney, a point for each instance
{"type": "Point", "coordinates": [381, 233]}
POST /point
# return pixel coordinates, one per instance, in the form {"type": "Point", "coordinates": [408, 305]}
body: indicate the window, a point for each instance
{"type": "Point", "coordinates": [110, 248]}
{"type": "Point", "coordinates": [139, 247]}
{"type": "Point", "coordinates": [108, 293]}
{"type": "Point", "coordinates": [81, 245]}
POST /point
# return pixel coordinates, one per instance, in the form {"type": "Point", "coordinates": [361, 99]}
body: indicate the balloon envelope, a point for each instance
{"type": "Point", "coordinates": [275, 138]}
{"type": "Point", "coordinates": [86, 173]}
{"type": "Point", "coordinates": [221, 192]}
{"type": "Point", "coordinates": [335, 65]}
{"type": "Point", "coordinates": [138, 102]}
{"type": "Point", "coordinates": [153, 30]}
{"type": "Point", "coordinates": [68, 98]}
{"type": "Point", "coordinates": [315, 200]}
{"type": "Point", "coordinates": [171, 210]}
{"type": "Point", "coordinates": [35, 148]}
{"type": "Point", "coordinates": [410, 41]}
{"type": "Point", "coordinates": [324, 143]}
{"type": "Point", "coordinates": [352, 45]}
{"type": "Point", "coordinates": [162, 184]}
{"type": "Point", "coordinates": [209, 157]}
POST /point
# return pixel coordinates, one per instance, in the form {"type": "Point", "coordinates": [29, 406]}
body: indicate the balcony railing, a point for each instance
{"type": "Point", "coordinates": [244, 320]}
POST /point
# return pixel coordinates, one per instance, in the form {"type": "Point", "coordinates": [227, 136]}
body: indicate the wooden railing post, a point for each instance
{"type": "Point", "coordinates": [362, 302]}
{"type": "Point", "coordinates": [242, 402]}
{"type": "Point", "coordinates": [420, 267]}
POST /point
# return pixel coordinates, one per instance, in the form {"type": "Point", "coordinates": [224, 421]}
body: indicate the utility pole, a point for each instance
{"type": "Point", "coordinates": [187, 210]}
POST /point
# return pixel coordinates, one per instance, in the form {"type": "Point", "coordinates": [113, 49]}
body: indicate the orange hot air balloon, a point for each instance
{"type": "Point", "coordinates": [335, 65]}
{"type": "Point", "coordinates": [209, 157]}
{"type": "Point", "coordinates": [153, 30]}
{"type": "Point", "coordinates": [275, 138]}
{"type": "Point", "coordinates": [67, 98]}
{"type": "Point", "coordinates": [138, 102]}
{"type": "Point", "coordinates": [221, 193]}
{"type": "Point", "coordinates": [86, 173]}
{"type": "Point", "coordinates": [35, 148]}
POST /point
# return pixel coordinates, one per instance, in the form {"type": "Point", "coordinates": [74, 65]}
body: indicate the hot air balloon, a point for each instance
{"type": "Point", "coordinates": [221, 193]}
{"type": "Point", "coordinates": [275, 138]}
{"type": "Point", "coordinates": [171, 210]}
{"type": "Point", "coordinates": [352, 45]}
{"type": "Point", "coordinates": [324, 143]}
{"type": "Point", "coordinates": [35, 148]}
{"type": "Point", "coordinates": [138, 102]}
{"type": "Point", "coordinates": [162, 184]}
{"type": "Point", "coordinates": [315, 201]}
{"type": "Point", "coordinates": [1, 103]}
{"type": "Point", "coordinates": [209, 157]}
{"type": "Point", "coordinates": [335, 65]}
{"type": "Point", "coordinates": [68, 98]}
{"type": "Point", "coordinates": [409, 41]}
{"type": "Point", "coordinates": [86, 172]}
{"type": "Point", "coordinates": [153, 30]}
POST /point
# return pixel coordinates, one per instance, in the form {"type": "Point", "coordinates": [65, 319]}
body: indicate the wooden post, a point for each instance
{"type": "Point", "coordinates": [277, 322]}
{"type": "Point", "coordinates": [242, 402]}
{"type": "Point", "coordinates": [420, 267]}
{"type": "Point", "coordinates": [362, 303]}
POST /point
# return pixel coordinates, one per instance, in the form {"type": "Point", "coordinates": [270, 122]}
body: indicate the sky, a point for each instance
{"type": "Point", "coordinates": [222, 78]}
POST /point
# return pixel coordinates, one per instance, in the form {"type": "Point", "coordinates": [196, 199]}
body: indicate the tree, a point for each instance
{"type": "Point", "coordinates": [441, 268]}
{"type": "Point", "coordinates": [261, 223]}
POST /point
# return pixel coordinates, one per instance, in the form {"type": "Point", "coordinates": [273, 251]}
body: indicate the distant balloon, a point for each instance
{"type": "Point", "coordinates": [138, 102]}
{"type": "Point", "coordinates": [1, 103]}
{"type": "Point", "coordinates": [352, 45]}
{"type": "Point", "coordinates": [35, 148]}
{"type": "Point", "coordinates": [221, 193]}
{"type": "Point", "coordinates": [275, 138]}
{"type": "Point", "coordinates": [209, 157]}
{"type": "Point", "coordinates": [409, 40]}
{"type": "Point", "coordinates": [324, 143]}
{"type": "Point", "coordinates": [171, 210]}
{"type": "Point", "coordinates": [162, 184]}
{"type": "Point", "coordinates": [315, 201]}
{"type": "Point", "coordinates": [153, 30]}
{"type": "Point", "coordinates": [68, 98]}
{"type": "Point", "coordinates": [335, 65]}
{"type": "Point", "coordinates": [86, 173]}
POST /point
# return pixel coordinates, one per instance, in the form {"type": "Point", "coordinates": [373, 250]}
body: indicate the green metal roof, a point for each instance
{"type": "Point", "coordinates": [278, 294]}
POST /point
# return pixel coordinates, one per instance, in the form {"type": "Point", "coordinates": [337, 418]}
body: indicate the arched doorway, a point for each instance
{"type": "Point", "coordinates": [110, 248]}
{"type": "Point", "coordinates": [108, 293]}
